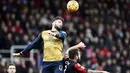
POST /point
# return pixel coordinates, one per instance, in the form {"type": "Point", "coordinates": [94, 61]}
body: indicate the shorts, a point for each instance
{"type": "Point", "coordinates": [52, 67]}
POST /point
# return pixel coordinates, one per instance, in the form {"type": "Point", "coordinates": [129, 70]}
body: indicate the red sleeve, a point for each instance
{"type": "Point", "coordinates": [80, 68]}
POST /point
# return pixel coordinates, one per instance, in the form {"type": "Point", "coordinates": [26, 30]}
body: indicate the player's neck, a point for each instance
{"type": "Point", "coordinates": [53, 29]}
{"type": "Point", "coordinates": [73, 60]}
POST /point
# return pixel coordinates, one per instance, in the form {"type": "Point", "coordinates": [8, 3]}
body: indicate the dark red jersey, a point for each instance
{"type": "Point", "coordinates": [73, 67]}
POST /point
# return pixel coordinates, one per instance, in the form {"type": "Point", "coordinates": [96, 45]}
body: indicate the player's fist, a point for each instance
{"type": "Point", "coordinates": [17, 54]}
{"type": "Point", "coordinates": [81, 45]}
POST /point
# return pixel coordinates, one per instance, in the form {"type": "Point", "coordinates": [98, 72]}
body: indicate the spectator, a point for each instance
{"type": "Point", "coordinates": [102, 24]}
{"type": "Point", "coordinates": [1, 66]}
{"type": "Point", "coordinates": [11, 68]}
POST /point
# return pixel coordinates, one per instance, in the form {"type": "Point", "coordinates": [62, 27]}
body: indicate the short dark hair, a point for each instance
{"type": "Point", "coordinates": [11, 64]}
{"type": "Point", "coordinates": [58, 17]}
{"type": "Point", "coordinates": [72, 53]}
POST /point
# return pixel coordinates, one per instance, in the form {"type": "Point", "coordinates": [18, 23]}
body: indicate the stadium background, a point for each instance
{"type": "Point", "coordinates": [103, 25]}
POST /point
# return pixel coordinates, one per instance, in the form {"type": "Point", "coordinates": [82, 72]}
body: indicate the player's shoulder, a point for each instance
{"type": "Point", "coordinates": [77, 65]}
{"type": "Point", "coordinates": [62, 32]}
{"type": "Point", "coordinates": [69, 62]}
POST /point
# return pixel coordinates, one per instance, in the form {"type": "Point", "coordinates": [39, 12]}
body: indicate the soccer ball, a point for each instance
{"type": "Point", "coordinates": [72, 6]}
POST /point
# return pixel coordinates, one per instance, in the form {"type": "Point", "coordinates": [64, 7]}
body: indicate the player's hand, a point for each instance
{"type": "Point", "coordinates": [81, 45]}
{"type": "Point", "coordinates": [53, 34]}
{"type": "Point", "coordinates": [17, 55]}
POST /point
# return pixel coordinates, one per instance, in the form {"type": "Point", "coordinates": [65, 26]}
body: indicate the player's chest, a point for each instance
{"type": "Point", "coordinates": [48, 37]}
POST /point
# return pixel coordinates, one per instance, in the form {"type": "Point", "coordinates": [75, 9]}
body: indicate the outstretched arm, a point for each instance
{"type": "Point", "coordinates": [34, 44]}
{"type": "Point", "coordinates": [96, 71]}
{"type": "Point", "coordinates": [80, 45]}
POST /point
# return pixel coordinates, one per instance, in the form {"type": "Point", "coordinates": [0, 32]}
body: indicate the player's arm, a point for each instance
{"type": "Point", "coordinates": [96, 71]}
{"type": "Point", "coordinates": [80, 68]}
{"type": "Point", "coordinates": [79, 45]}
{"type": "Point", "coordinates": [34, 44]}
{"type": "Point", "coordinates": [83, 70]}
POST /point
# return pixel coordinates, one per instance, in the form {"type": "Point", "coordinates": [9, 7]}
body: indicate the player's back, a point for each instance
{"type": "Point", "coordinates": [69, 66]}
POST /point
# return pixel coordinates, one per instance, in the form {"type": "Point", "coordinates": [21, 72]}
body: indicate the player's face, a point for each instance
{"type": "Point", "coordinates": [78, 57]}
{"type": "Point", "coordinates": [11, 69]}
{"type": "Point", "coordinates": [58, 24]}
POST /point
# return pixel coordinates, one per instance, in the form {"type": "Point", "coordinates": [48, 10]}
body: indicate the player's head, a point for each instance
{"type": "Point", "coordinates": [57, 22]}
{"type": "Point", "coordinates": [74, 54]}
{"type": "Point", "coordinates": [11, 68]}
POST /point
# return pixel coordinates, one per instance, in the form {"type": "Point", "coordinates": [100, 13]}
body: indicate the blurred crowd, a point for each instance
{"type": "Point", "coordinates": [103, 25]}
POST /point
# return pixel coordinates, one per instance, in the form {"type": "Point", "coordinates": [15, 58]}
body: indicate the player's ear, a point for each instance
{"type": "Point", "coordinates": [76, 57]}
